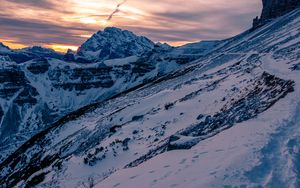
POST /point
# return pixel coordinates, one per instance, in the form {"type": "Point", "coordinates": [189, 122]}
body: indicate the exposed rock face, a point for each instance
{"type": "Point", "coordinates": [273, 9]}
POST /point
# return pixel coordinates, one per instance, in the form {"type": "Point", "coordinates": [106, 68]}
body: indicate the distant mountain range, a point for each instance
{"type": "Point", "coordinates": [123, 111]}
{"type": "Point", "coordinates": [38, 86]}
{"type": "Point", "coordinates": [111, 43]}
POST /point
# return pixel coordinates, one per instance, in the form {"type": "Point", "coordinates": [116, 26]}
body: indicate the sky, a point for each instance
{"type": "Point", "coordinates": [63, 24]}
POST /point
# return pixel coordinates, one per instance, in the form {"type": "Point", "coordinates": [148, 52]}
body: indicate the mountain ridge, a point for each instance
{"type": "Point", "coordinates": [113, 43]}
{"type": "Point", "coordinates": [242, 78]}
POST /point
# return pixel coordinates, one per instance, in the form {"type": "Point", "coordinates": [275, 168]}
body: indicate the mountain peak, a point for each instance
{"type": "Point", "coordinates": [3, 46]}
{"type": "Point", "coordinates": [113, 29]}
{"type": "Point", "coordinates": [112, 43]}
{"type": "Point", "coordinates": [273, 9]}
{"type": "Point", "coordinates": [37, 49]}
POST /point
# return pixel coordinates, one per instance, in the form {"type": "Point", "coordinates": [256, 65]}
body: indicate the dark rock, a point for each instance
{"type": "Point", "coordinates": [273, 9]}
{"type": "Point", "coordinates": [177, 142]}
{"type": "Point", "coordinates": [200, 117]}
{"type": "Point", "coordinates": [268, 89]}
{"type": "Point", "coordinates": [113, 129]}
{"type": "Point", "coordinates": [137, 118]}
{"type": "Point", "coordinates": [296, 67]}
{"type": "Point", "coordinates": [141, 67]}
{"type": "Point", "coordinates": [40, 66]}
{"type": "Point", "coordinates": [27, 96]}
{"type": "Point", "coordinates": [169, 106]}
{"type": "Point", "coordinates": [1, 113]}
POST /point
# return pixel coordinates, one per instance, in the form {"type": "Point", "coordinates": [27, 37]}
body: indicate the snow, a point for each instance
{"type": "Point", "coordinates": [114, 43]}
{"type": "Point", "coordinates": [198, 48]}
{"type": "Point", "coordinates": [254, 153]}
{"type": "Point", "coordinates": [127, 141]}
{"type": "Point", "coordinates": [120, 62]}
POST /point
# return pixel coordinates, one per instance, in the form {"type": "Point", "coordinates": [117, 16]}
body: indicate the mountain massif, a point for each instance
{"type": "Point", "coordinates": [137, 114]}
{"type": "Point", "coordinates": [36, 93]}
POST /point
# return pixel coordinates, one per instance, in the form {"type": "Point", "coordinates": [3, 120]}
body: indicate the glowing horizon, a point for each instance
{"type": "Point", "coordinates": [62, 25]}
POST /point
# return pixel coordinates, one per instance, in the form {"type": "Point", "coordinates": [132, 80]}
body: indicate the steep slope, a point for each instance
{"type": "Point", "coordinates": [35, 94]}
{"type": "Point", "coordinates": [262, 152]}
{"type": "Point", "coordinates": [113, 43]}
{"type": "Point", "coordinates": [199, 48]}
{"type": "Point", "coordinates": [38, 92]}
{"type": "Point", "coordinates": [241, 82]}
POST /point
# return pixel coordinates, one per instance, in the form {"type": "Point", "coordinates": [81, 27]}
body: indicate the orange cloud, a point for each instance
{"type": "Point", "coordinates": [61, 47]}
{"type": "Point", "coordinates": [12, 44]}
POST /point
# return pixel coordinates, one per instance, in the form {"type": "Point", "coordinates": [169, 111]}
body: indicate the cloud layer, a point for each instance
{"type": "Point", "coordinates": [70, 22]}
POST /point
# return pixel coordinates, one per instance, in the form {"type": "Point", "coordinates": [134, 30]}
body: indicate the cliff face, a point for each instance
{"type": "Point", "coordinates": [273, 9]}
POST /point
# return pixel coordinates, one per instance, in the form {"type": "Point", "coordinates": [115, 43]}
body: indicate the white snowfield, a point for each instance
{"type": "Point", "coordinates": [230, 119]}
{"type": "Point", "coordinates": [262, 152]}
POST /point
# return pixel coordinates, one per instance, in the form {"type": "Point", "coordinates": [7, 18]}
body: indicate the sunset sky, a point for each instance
{"type": "Point", "coordinates": [63, 24]}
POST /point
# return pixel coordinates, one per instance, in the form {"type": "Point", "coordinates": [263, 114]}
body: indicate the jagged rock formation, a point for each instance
{"type": "Point", "coordinates": [273, 9]}
{"type": "Point", "coordinates": [113, 43]}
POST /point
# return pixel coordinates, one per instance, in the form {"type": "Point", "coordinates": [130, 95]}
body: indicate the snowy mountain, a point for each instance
{"type": "Point", "coordinates": [40, 52]}
{"type": "Point", "coordinates": [40, 91]}
{"type": "Point", "coordinates": [27, 54]}
{"type": "Point", "coordinates": [228, 117]}
{"type": "Point", "coordinates": [35, 94]}
{"type": "Point", "coordinates": [113, 43]}
{"type": "Point", "coordinates": [3, 48]}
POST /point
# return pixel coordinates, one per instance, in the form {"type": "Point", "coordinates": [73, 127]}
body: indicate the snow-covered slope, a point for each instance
{"type": "Point", "coordinates": [38, 92]}
{"type": "Point", "coordinates": [228, 119]}
{"type": "Point", "coordinates": [35, 94]}
{"type": "Point", "coordinates": [113, 43]}
{"type": "Point", "coordinates": [200, 48]}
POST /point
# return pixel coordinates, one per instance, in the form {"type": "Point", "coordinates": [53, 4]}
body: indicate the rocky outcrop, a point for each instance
{"type": "Point", "coordinates": [40, 66]}
{"type": "Point", "coordinates": [273, 9]}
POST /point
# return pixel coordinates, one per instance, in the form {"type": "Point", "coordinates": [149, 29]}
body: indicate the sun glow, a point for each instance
{"type": "Point", "coordinates": [88, 20]}
{"type": "Point", "coordinates": [61, 47]}
{"type": "Point", "coordinates": [66, 24]}
{"type": "Point", "coordinates": [13, 44]}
